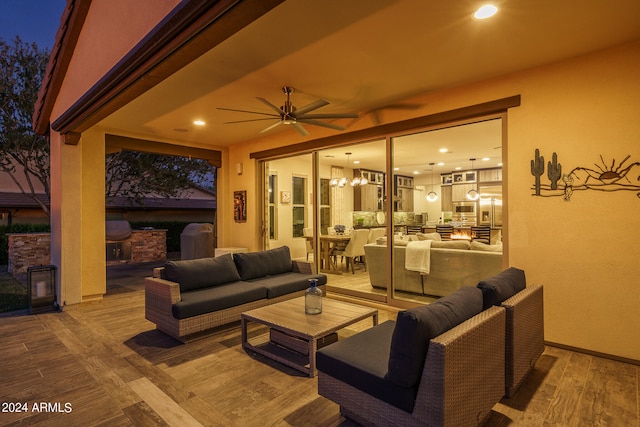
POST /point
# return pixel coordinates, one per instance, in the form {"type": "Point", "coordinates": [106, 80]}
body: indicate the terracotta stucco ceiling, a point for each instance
{"type": "Point", "coordinates": [364, 56]}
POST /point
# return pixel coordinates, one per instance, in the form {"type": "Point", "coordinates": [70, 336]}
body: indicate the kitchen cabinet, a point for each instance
{"type": "Point", "coordinates": [459, 191]}
{"type": "Point", "coordinates": [374, 177]}
{"type": "Point", "coordinates": [490, 175]}
{"type": "Point", "coordinates": [446, 198]}
{"type": "Point", "coordinates": [403, 194]}
{"type": "Point", "coordinates": [403, 201]}
{"type": "Point", "coordinates": [368, 198]}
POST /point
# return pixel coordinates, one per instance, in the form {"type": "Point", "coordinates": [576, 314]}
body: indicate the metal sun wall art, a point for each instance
{"type": "Point", "coordinates": [603, 177]}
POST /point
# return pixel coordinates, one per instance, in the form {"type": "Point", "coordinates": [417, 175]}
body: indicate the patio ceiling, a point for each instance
{"type": "Point", "coordinates": [365, 57]}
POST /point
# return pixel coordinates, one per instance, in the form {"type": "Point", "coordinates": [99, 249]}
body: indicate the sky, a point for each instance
{"type": "Point", "coordinates": [33, 20]}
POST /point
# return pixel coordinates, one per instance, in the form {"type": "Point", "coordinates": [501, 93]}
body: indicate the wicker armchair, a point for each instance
{"type": "Point", "coordinates": [462, 379]}
{"type": "Point", "coordinates": [525, 335]}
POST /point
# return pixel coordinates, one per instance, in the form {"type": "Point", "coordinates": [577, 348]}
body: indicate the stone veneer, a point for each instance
{"type": "Point", "coordinates": [32, 249]}
{"type": "Point", "coordinates": [27, 250]}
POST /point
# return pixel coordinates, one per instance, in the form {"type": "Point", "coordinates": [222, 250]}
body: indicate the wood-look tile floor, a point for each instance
{"type": "Point", "coordinates": [105, 365]}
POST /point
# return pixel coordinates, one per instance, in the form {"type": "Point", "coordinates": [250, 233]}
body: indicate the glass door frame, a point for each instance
{"type": "Point", "coordinates": [466, 115]}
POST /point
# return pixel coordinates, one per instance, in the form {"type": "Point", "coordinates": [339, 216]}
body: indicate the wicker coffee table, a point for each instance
{"type": "Point", "coordinates": [294, 336]}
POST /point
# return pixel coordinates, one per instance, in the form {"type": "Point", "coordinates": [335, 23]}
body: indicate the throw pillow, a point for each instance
{"type": "Point", "coordinates": [252, 265]}
{"type": "Point", "coordinates": [202, 272]}
{"type": "Point", "coordinates": [502, 286]}
{"type": "Point", "coordinates": [415, 327]}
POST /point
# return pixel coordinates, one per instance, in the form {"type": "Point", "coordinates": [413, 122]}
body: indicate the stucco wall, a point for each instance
{"type": "Point", "coordinates": [584, 251]}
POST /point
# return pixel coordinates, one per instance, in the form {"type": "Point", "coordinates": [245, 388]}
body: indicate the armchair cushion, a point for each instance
{"type": "Point", "coordinates": [502, 286]}
{"type": "Point", "coordinates": [201, 273]}
{"type": "Point", "coordinates": [252, 265]}
{"type": "Point", "coordinates": [415, 327]}
{"type": "Point", "coordinates": [361, 361]}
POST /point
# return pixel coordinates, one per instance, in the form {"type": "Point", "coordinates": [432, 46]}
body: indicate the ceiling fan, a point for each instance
{"type": "Point", "coordinates": [288, 114]}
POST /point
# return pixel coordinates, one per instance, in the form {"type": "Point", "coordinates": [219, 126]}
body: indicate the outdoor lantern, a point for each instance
{"type": "Point", "coordinates": [41, 285]}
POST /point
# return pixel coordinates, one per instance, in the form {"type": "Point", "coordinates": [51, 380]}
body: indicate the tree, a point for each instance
{"type": "Point", "coordinates": [23, 153]}
{"type": "Point", "coordinates": [136, 175]}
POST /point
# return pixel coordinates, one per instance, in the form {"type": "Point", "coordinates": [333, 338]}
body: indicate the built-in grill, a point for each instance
{"type": "Point", "coordinates": [117, 234]}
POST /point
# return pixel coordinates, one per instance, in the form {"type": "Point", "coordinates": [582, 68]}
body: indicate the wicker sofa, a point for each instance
{"type": "Point", "coordinates": [453, 264]}
{"type": "Point", "coordinates": [186, 299]}
{"type": "Point", "coordinates": [444, 364]}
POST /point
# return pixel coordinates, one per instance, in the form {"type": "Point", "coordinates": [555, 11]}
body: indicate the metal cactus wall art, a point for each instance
{"type": "Point", "coordinates": [604, 176]}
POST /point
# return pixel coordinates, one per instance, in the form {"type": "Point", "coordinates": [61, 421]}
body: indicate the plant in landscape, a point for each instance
{"type": "Point", "coordinates": [24, 155]}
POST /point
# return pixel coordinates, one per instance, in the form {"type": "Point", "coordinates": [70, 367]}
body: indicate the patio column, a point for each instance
{"type": "Point", "coordinates": [77, 217]}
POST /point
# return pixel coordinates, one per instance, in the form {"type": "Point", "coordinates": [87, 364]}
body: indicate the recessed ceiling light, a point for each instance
{"type": "Point", "coordinates": [486, 11]}
{"type": "Point", "coordinates": [440, 163]}
{"type": "Point", "coordinates": [396, 169]}
{"type": "Point", "coordinates": [356, 162]}
{"type": "Point", "coordinates": [416, 172]}
{"type": "Point", "coordinates": [199, 122]}
{"type": "Point", "coordinates": [458, 168]}
{"type": "Point", "coordinates": [486, 159]}
{"type": "Point", "coordinates": [443, 150]}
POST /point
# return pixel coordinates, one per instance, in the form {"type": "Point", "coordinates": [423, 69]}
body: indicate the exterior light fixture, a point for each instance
{"type": "Point", "coordinates": [432, 196]}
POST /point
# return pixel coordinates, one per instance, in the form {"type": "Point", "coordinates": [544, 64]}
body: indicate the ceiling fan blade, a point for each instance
{"type": "Point", "coordinates": [323, 124]}
{"type": "Point", "coordinates": [247, 111]}
{"type": "Point", "coordinates": [271, 127]}
{"type": "Point", "coordinates": [300, 129]}
{"type": "Point", "coordinates": [310, 107]}
{"type": "Point", "coordinates": [270, 105]}
{"type": "Point", "coordinates": [326, 116]}
{"type": "Point", "coordinates": [250, 120]}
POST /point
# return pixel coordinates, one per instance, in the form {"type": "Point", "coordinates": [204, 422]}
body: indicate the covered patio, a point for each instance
{"type": "Point", "coordinates": [104, 364]}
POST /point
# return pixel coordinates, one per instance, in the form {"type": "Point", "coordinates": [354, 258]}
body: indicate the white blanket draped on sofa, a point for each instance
{"type": "Point", "coordinates": [418, 256]}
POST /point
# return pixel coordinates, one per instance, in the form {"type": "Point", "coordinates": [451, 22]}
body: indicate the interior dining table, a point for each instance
{"type": "Point", "coordinates": [329, 245]}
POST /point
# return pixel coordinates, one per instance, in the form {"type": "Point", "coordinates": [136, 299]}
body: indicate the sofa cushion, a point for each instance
{"type": "Point", "coordinates": [429, 236]}
{"type": "Point", "coordinates": [252, 265]}
{"type": "Point", "coordinates": [208, 300]}
{"type": "Point", "coordinates": [415, 327]}
{"type": "Point", "coordinates": [479, 246]}
{"type": "Point", "coordinates": [450, 244]}
{"type": "Point", "coordinates": [286, 283]}
{"type": "Point", "coordinates": [502, 286]}
{"type": "Point", "coordinates": [361, 361]}
{"type": "Point", "coordinates": [201, 273]}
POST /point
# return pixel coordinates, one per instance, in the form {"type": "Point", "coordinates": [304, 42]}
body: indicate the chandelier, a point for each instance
{"type": "Point", "coordinates": [343, 181]}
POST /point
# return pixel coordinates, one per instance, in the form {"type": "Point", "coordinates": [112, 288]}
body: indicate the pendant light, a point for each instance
{"type": "Point", "coordinates": [432, 196]}
{"type": "Point", "coordinates": [473, 194]}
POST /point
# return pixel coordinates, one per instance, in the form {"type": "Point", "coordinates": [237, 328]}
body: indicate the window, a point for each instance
{"type": "Point", "coordinates": [298, 199]}
{"type": "Point", "coordinates": [273, 213]}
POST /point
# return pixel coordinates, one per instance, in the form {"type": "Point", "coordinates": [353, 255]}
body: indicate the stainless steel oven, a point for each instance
{"type": "Point", "coordinates": [465, 213]}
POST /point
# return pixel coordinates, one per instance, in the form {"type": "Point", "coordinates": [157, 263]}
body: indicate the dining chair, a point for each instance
{"type": "Point", "coordinates": [375, 233]}
{"type": "Point", "coordinates": [444, 230]}
{"type": "Point", "coordinates": [355, 248]}
{"type": "Point", "coordinates": [481, 233]}
{"type": "Point", "coordinates": [308, 232]}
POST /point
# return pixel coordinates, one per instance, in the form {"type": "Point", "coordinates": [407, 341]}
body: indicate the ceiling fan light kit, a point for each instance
{"type": "Point", "coordinates": [288, 114]}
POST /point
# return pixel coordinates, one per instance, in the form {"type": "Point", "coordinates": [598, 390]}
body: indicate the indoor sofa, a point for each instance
{"type": "Point", "coordinates": [187, 298]}
{"type": "Point", "coordinates": [453, 264]}
{"type": "Point", "coordinates": [443, 364]}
